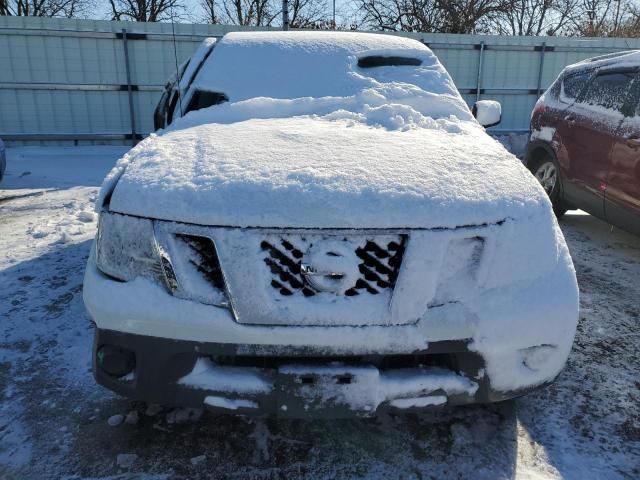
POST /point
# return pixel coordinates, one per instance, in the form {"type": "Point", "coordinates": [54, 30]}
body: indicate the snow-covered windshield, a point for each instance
{"type": "Point", "coordinates": [273, 74]}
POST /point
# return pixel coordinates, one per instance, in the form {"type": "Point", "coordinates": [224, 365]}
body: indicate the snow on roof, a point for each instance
{"type": "Point", "coordinates": [629, 58]}
{"type": "Point", "coordinates": [295, 65]}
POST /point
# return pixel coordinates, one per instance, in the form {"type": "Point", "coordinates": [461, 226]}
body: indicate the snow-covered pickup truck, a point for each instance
{"type": "Point", "coordinates": [322, 228]}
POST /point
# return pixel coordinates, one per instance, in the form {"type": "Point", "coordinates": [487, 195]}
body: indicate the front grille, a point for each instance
{"type": "Point", "coordinates": [380, 260]}
{"type": "Point", "coordinates": [203, 257]}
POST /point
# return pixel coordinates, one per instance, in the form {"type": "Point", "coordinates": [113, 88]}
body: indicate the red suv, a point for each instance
{"type": "Point", "coordinates": [585, 139]}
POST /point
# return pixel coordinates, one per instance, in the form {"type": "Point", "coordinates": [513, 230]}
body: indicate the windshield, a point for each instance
{"type": "Point", "coordinates": [280, 74]}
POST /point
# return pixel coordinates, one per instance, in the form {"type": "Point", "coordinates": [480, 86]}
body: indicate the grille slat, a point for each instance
{"type": "Point", "coordinates": [372, 263]}
{"type": "Point", "coordinates": [284, 274]}
{"type": "Point", "coordinates": [377, 251]}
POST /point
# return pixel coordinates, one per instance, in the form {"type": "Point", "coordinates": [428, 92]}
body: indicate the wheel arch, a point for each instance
{"type": "Point", "coordinates": [538, 149]}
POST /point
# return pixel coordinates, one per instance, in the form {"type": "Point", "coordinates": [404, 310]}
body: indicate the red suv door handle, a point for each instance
{"type": "Point", "coordinates": [633, 143]}
{"type": "Point", "coordinates": [571, 121]}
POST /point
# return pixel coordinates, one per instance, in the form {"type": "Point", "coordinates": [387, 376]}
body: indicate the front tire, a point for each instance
{"type": "Point", "coordinates": [547, 172]}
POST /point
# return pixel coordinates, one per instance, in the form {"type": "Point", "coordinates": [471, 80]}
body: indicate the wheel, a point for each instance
{"type": "Point", "coordinates": [547, 172]}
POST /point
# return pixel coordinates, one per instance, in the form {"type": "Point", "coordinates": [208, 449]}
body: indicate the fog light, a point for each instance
{"type": "Point", "coordinates": [535, 358]}
{"type": "Point", "coordinates": [115, 361]}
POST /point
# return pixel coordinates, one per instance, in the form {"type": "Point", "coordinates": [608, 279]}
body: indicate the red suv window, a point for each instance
{"type": "Point", "coordinates": [572, 85]}
{"type": "Point", "coordinates": [608, 90]}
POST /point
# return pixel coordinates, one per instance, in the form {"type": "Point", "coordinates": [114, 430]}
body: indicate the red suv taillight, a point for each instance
{"type": "Point", "coordinates": [539, 108]}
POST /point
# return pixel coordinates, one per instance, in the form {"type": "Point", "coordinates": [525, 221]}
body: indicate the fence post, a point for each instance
{"type": "Point", "coordinates": [480, 62]}
{"type": "Point", "coordinates": [541, 67]}
{"type": "Point", "coordinates": [285, 15]}
{"type": "Point", "coordinates": [132, 115]}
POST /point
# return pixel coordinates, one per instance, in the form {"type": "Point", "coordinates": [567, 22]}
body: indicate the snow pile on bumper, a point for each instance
{"type": "Point", "coordinates": [317, 389]}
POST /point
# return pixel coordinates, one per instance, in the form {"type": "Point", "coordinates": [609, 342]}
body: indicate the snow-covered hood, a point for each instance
{"type": "Point", "coordinates": [337, 171]}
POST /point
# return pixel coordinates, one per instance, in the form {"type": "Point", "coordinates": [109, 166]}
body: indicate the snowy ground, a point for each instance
{"type": "Point", "coordinates": [56, 423]}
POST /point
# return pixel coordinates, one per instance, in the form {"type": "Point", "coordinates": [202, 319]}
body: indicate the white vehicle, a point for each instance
{"type": "Point", "coordinates": [323, 229]}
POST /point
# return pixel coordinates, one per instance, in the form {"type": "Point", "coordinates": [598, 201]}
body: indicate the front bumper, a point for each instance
{"type": "Point", "coordinates": [296, 382]}
{"type": "Point", "coordinates": [492, 346]}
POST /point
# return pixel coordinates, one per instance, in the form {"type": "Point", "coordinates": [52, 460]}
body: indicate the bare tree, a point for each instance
{"type": "Point", "coordinates": [606, 18]}
{"type": "Point", "coordinates": [309, 14]}
{"type": "Point", "coordinates": [537, 17]}
{"type": "Point", "coordinates": [404, 15]}
{"type": "Point", "coordinates": [145, 10]}
{"type": "Point", "coordinates": [239, 12]}
{"type": "Point", "coordinates": [43, 8]}
{"type": "Point", "coordinates": [257, 13]}
{"type": "Point", "coordinates": [630, 25]}
{"type": "Point", "coordinates": [594, 23]}
{"type": "Point", "coordinates": [469, 16]}
{"type": "Point", "coordinates": [449, 16]}
{"type": "Point", "coordinates": [210, 8]}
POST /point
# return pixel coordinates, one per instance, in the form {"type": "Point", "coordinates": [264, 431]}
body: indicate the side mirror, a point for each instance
{"type": "Point", "coordinates": [487, 112]}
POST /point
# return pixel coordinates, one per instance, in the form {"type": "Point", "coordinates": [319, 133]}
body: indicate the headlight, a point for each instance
{"type": "Point", "coordinates": [522, 250]}
{"type": "Point", "coordinates": [126, 248]}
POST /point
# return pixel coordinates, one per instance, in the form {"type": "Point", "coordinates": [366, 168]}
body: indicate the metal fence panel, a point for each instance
{"type": "Point", "coordinates": [64, 79]}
